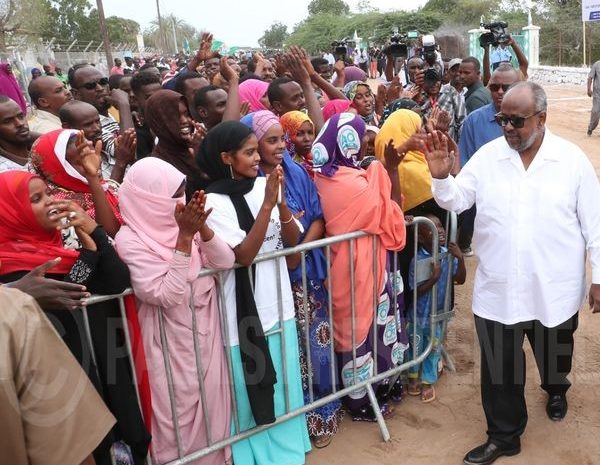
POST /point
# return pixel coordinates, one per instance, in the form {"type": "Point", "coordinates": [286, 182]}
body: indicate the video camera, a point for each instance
{"type": "Point", "coordinates": [429, 49]}
{"type": "Point", "coordinates": [397, 47]}
{"type": "Point", "coordinates": [340, 48]}
{"type": "Point", "coordinates": [497, 34]}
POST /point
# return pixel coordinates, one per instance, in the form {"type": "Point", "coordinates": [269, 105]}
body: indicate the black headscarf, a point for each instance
{"type": "Point", "coordinates": [259, 372]}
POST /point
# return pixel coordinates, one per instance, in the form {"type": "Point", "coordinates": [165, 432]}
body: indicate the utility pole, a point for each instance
{"type": "Point", "coordinates": [161, 32]}
{"type": "Point", "coordinates": [104, 33]}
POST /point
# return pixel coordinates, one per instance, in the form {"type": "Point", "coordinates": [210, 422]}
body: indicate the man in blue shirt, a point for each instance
{"type": "Point", "coordinates": [478, 129]}
{"type": "Point", "coordinates": [500, 54]}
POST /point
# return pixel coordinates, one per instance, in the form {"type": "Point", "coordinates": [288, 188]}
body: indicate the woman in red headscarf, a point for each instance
{"type": "Point", "coordinates": [66, 161]}
{"type": "Point", "coordinates": [30, 224]}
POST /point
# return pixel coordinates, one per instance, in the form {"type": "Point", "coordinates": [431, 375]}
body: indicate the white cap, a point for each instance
{"type": "Point", "coordinates": [454, 62]}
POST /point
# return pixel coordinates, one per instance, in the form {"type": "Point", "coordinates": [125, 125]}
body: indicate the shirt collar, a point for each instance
{"type": "Point", "coordinates": [545, 152]}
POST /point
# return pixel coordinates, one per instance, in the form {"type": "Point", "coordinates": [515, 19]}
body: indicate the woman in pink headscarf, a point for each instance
{"type": "Point", "coordinates": [254, 92]}
{"type": "Point", "coordinates": [10, 87]}
{"type": "Point", "coordinates": [335, 107]}
{"type": "Point", "coordinates": [165, 244]}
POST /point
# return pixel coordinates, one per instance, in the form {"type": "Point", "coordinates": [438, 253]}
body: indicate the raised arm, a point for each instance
{"type": "Point", "coordinates": [90, 161]}
{"type": "Point", "coordinates": [294, 63]}
{"type": "Point", "coordinates": [521, 58]}
{"type": "Point", "coordinates": [232, 107]}
{"type": "Point", "coordinates": [486, 65]}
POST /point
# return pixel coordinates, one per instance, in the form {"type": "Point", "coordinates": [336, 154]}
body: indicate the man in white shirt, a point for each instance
{"type": "Point", "coordinates": [48, 94]}
{"type": "Point", "coordinates": [537, 212]}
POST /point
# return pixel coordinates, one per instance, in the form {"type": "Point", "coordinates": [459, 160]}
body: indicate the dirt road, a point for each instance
{"type": "Point", "coordinates": [442, 432]}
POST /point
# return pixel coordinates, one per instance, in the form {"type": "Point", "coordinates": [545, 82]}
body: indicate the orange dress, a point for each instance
{"type": "Point", "coordinates": [358, 200]}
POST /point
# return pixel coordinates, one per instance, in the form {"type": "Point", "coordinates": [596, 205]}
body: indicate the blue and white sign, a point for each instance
{"type": "Point", "coordinates": [590, 10]}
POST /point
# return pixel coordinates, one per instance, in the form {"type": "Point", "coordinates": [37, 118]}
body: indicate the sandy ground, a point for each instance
{"type": "Point", "coordinates": [443, 431]}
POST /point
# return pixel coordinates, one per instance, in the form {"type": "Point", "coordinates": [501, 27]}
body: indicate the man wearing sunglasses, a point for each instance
{"type": "Point", "coordinates": [90, 86]}
{"type": "Point", "coordinates": [478, 129]}
{"type": "Point", "coordinates": [537, 216]}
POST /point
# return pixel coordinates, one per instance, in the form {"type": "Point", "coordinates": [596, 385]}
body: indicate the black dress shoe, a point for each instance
{"type": "Point", "coordinates": [557, 407]}
{"type": "Point", "coordinates": [487, 453]}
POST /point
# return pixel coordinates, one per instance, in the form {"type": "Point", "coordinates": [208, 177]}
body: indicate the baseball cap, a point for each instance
{"type": "Point", "coordinates": [454, 62]}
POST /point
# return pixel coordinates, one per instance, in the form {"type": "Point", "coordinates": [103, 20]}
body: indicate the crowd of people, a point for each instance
{"type": "Point", "coordinates": [149, 175]}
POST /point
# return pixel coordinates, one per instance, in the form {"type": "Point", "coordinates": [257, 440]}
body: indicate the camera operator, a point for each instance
{"type": "Point", "coordinates": [432, 58]}
{"type": "Point", "coordinates": [445, 98]}
{"type": "Point", "coordinates": [522, 60]}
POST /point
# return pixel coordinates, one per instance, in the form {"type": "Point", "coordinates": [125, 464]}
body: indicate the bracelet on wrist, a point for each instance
{"type": "Point", "coordinates": [287, 221]}
{"type": "Point", "coordinates": [183, 254]}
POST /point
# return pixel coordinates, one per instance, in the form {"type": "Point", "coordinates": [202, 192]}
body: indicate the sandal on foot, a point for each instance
{"type": "Point", "coordinates": [427, 393]}
{"type": "Point", "coordinates": [414, 387]}
{"type": "Point", "coordinates": [322, 441]}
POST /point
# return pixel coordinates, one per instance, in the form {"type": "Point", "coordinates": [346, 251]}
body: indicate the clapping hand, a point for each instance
{"type": "Point", "coordinates": [392, 156]}
{"type": "Point", "coordinates": [125, 147]}
{"type": "Point", "coordinates": [91, 157]}
{"type": "Point", "coordinates": [205, 51]}
{"type": "Point", "coordinates": [191, 218]}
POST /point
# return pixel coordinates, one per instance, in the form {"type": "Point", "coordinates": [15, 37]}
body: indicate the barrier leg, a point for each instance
{"type": "Point", "coordinates": [380, 421]}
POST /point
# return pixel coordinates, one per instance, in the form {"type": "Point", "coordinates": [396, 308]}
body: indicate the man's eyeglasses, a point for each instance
{"type": "Point", "coordinates": [92, 85]}
{"type": "Point", "coordinates": [496, 87]}
{"type": "Point", "coordinates": [517, 122]}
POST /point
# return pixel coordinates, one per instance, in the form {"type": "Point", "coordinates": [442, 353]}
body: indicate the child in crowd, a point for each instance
{"type": "Point", "coordinates": [422, 378]}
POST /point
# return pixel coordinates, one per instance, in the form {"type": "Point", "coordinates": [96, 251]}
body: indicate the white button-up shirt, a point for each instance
{"type": "Point", "coordinates": [531, 230]}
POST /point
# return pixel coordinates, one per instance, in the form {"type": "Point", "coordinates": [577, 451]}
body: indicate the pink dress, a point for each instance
{"type": "Point", "coordinates": [165, 284]}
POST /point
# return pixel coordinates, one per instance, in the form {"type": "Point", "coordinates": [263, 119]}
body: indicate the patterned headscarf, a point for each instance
{"type": "Point", "coordinates": [338, 144]}
{"type": "Point", "coordinates": [350, 90]}
{"type": "Point", "coordinates": [291, 123]}
{"type": "Point", "coordinates": [398, 104]}
{"type": "Point", "coordinates": [260, 122]}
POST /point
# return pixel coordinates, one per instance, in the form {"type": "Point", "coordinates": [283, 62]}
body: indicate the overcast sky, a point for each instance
{"type": "Point", "coordinates": [238, 22]}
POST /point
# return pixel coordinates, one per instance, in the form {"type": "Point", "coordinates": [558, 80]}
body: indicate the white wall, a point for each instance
{"type": "Point", "coordinates": [558, 75]}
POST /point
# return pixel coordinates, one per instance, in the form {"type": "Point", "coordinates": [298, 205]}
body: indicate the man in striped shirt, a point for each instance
{"type": "Point", "coordinates": [90, 86]}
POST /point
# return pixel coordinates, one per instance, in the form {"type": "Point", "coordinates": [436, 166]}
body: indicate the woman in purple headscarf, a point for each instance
{"type": "Point", "coordinates": [353, 199]}
{"type": "Point", "coordinates": [10, 87]}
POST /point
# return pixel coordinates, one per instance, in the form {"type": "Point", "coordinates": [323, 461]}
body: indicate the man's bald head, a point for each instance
{"type": "Point", "coordinates": [83, 116]}
{"type": "Point", "coordinates": [49, 94]}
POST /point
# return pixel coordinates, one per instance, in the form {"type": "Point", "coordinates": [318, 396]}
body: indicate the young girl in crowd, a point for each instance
{"type": "Point", "coordinates": [56, 158]}
{"type": "Point", "coordinates": [166, 244]}
{"type": "Point", "coordinates": [303, 201]}
{"type": "Point", "coordinates": [423, 378]}
{"type": "Point", "coordinates": [354, 199]}
{"type": "Point", "coordinates": [247, 216]}
{"type": "Point", "coordinates": [299, 136]}
{"type": "Point", "coordinates": [30, 224]}
{"type": "Point", "coordinates": [363, 100]}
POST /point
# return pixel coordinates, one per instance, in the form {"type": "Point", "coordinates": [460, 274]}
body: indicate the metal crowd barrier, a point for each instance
{"type": "Point", "coordinates": [422, 271]}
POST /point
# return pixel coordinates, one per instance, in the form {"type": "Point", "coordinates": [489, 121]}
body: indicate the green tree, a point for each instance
{"type": "Point", "coordinates": [275, 36]}
{"type": "Point", "coordinates": [364, 6]}
{"type": "Point", "coordinates": [68, 20]}
{"type": "Point", "coordinates": [21, 17]}
{"type": "Point", "coordinates": [183, 30]}
{"type": "Point", "coordinates": [334, 7]}
{"type": "Point", "coordinates": [316, 33]}
{"type": "Point", "coordinates": [464, 12]}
